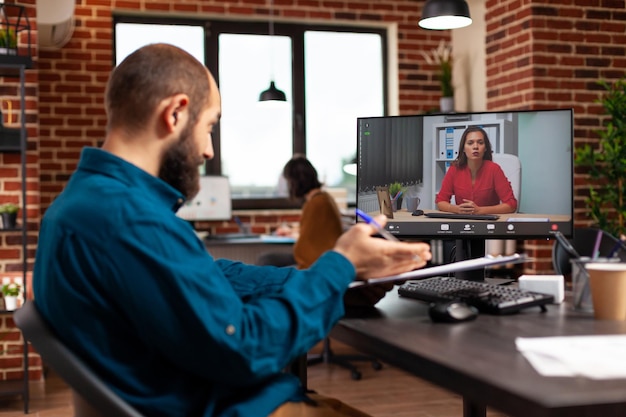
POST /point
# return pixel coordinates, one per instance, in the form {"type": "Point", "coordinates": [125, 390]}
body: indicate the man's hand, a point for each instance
{"type": "Point", "coordinates": [374, 257]}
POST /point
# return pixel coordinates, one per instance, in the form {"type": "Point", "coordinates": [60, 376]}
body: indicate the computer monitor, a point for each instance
{"type": "Point", "coordinates": [213, 201]}
{"type": "Point", "coordinates": [533, 147]}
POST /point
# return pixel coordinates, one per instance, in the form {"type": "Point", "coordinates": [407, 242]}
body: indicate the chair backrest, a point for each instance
{"type": "Point", "coordinates": [512, 168]}
{"type": "Point", "coordinates": [68, 366]}
{"type": "Point", "coordinates": [583, 242]}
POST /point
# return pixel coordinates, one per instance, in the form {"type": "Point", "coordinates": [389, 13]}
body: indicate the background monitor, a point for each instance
{"type": "Point", "coordinates": [534, 149]}
{"type": "Point", "coordinates": [213, 201]}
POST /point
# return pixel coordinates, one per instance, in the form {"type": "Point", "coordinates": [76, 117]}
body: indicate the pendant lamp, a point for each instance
{"type": "Point", "coordinates": [272, 93]}
{"type": "Point", "coordinates": [445, 14]}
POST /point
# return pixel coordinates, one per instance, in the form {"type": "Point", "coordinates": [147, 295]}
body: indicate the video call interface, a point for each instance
{"type": "Point", "coordinates": [402, 161]}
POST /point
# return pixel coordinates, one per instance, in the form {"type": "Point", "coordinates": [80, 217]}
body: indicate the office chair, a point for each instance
{"type": "Point", "coordinates": [92, 398]}
{"type": "Point", "coordinates": [328, 356]}
{"type": "Point", "coordinates": [512, 168]}
{"type": "Point", "coordinates": [583, 242]}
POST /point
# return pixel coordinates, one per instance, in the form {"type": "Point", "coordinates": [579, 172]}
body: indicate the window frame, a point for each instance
{"type": "Point", "coordinates": [214, 27]}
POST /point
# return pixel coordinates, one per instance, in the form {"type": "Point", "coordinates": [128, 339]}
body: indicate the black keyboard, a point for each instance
{"type": "Point", "coordinates": [486, 297]}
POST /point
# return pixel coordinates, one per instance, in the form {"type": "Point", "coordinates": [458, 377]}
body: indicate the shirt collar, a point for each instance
{"type": "Point", "coordinates": [101, 162]}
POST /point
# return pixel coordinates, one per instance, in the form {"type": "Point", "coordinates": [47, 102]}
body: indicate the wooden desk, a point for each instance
{"type": "Point", "coordinates": [246, 250]}
{"type": "Point", "coordinates": [479, 361]}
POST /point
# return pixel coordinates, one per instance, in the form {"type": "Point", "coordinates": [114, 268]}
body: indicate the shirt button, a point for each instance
{"type": "Point", "coordinates": [180, 201]}
{"type": "Point", "coordinates": [230, 330]}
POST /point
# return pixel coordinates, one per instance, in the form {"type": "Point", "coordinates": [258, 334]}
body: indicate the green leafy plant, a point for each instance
{"type": "Point", "coordinates": [607, 163]}
{"type": "Point", "coordinates": [395, 188]}
{"type": "Point", "coordinates": [8, 39]}
{"type": "Point", "coordinates": [442, 57]}
{"type": "Point", "coordinates": [9, 208]}
{"type": "Point", "coordinates": [11, 289]}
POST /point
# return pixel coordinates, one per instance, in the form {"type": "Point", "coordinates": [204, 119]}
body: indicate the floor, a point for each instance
{"type": "Point", "coordinates": [384, 393]}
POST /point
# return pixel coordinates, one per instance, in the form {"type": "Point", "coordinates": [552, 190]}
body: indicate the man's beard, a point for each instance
{"type": "Point", "coordinates": [180, 164]}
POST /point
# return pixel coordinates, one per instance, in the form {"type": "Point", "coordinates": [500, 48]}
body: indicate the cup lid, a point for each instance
{"type": "Point", "coordinates": [611, 266]}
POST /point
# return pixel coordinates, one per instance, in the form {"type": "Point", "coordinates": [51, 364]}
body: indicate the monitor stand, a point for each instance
{"type": "Point", "coordinates": [470, 249]}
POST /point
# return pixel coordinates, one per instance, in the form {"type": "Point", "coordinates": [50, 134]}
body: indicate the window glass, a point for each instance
{"type": "Point", "coordinates": [339, 74]}
{"type": "Point", "coordinates": [344, 80]}
{"type": "Point", "coordinates": [131, 36]}
{"type": "Point", "coordinates": [256, 138]}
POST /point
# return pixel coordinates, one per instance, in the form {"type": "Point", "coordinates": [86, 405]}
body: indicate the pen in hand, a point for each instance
{"type": "Point", "coordinates": [369, 220]}
{"type": "Point", "coordinates": [381, 231]}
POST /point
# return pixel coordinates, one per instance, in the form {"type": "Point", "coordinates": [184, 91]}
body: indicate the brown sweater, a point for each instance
{"type": "Point", "coordinates": [320, 227]}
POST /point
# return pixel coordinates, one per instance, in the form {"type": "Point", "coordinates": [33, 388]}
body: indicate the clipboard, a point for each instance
{"type": "Point", "coordinates": [446, 269]}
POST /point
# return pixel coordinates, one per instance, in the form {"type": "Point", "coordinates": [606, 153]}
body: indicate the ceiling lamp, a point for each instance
{"type": "Point", "coordinates": [272, 93]}
{"type": "Point", "coordinates": [445, 14]}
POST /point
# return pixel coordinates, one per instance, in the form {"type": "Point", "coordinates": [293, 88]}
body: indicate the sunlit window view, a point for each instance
{"type": "Point", "coordinates": [342, 79]}
{"type": "Point", "coordinates": [344, 73]}
{"type": "Point", "coordinates": [256, 137]}
{"type": "Point", "coordinates": [132, 36]}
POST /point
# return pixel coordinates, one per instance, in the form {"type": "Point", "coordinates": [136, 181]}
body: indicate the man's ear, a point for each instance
{"type": "Point", "coordinates": [175, 112]}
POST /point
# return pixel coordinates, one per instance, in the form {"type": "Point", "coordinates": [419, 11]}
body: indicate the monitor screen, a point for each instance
{"type": "Point", "coordinates": [213, 201]}
{"type": "Point", "coordinates": [402, 162]}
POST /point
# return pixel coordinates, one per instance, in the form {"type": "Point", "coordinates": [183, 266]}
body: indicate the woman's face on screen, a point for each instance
{"type": "Point", "coordinates": [475, 146]}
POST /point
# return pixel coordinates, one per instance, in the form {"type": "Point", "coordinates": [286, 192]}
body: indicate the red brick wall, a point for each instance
{"type": "Point", "coordinates": [546, 54]}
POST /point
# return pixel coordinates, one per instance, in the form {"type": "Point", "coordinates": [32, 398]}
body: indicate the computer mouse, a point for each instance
{"type": "Point", "coordinates": [452, 312]}
{"type": "Point", "coordinates": [417, 212]}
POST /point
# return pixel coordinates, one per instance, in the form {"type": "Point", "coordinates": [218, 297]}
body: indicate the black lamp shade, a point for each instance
{"type": "Point", "coordinates": [445, 14]}
{"type": "Point", "coordinates": [272, 94]}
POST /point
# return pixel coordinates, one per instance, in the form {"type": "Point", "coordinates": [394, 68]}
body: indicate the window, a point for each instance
{"type": "Point", "coordinates": [256, 138]}
{"type": "Point", "coordinates": [330, 75]}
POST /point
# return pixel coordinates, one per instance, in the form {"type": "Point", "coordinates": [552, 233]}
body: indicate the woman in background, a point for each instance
{"type": "Point", "coordinates": [320, 225]}
{"type": "Point", "coordinates": [478, 184]}
{"type": "Point", "coordinates": [320, 221]}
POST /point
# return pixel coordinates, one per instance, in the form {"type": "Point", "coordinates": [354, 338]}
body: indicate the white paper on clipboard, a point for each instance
{"type": "Point", "coordinates": [466, 265]}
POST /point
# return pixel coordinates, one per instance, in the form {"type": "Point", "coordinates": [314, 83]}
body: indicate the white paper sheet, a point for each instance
{"type": "Point", "coordinates": [595, 357]}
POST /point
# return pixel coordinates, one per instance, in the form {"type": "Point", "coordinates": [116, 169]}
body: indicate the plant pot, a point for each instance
{"type": "Point", "coordinates": [8, 220]}
{"type": "Point", "coordinates": [396, 204]}
{"type": "Point", "coordinates": [10, 303]}
{"type": "Point", "coordinates": [446, 104]}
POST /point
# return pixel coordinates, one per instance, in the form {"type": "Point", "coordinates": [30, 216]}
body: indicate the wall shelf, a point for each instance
{"type": "Point", "coordinates": [15, 40]}
{"type": "Point", "coordinates": [16, 142]}
{"type": "Point", "coordinates": [10, 139]}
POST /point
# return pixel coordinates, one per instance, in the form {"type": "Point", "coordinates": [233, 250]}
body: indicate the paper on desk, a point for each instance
{"type": "Point", "coordinates": [277, 239]}
{"type": "Point", "coordinates": [595, 357]}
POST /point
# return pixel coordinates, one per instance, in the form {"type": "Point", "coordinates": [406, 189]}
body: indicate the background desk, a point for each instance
{"type": "Point", "coordinates": [246, 250]}
{"type": "Point", "coordinates": [479, 360]}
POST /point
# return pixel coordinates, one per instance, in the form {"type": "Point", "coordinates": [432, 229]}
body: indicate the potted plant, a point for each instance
{"type": "Point", "coordinates": [607, 163]}
{"type": "Point", "coordinates": [10, 293]}
{"type": "Point", "coordinates": [8, 215]}
{"type": "Point", "coordinates": [442, 57]}
{"type": "Point", "coordinates": [8, 41]}
{"type": "Point", "coordinates": [396, 191]}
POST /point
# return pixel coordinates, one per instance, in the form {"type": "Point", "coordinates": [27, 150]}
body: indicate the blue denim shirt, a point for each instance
{"type": "Point", "coordinates": [130, 288]}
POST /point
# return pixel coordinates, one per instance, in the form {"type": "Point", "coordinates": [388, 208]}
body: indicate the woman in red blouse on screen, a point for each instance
{"type": "Point", "coordinates": [478, 184]}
